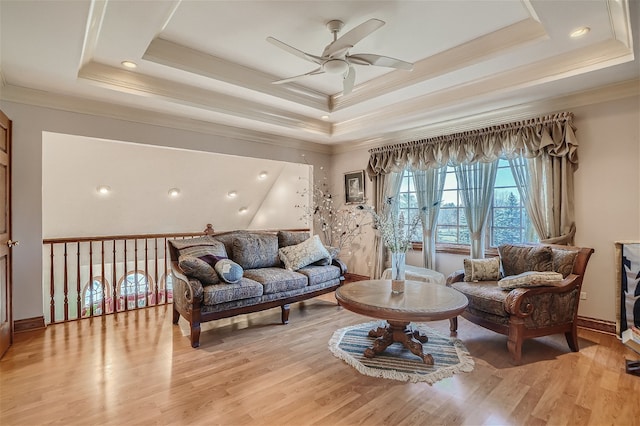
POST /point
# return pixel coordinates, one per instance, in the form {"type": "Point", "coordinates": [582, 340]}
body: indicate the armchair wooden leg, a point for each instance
{"type": "Point", "coordinates": [176, 316]}
{"type": "Point", "coordinates": [572, 338]}
{"type": "Point", "coordinates": [515, 339]}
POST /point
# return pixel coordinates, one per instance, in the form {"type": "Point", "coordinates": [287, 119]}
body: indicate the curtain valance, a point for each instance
{"type": "Point", "coordinates": [553, 135]}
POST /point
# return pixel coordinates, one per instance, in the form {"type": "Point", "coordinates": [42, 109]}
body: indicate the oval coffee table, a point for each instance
{"type": "Point", "coordinates": [420, 302]}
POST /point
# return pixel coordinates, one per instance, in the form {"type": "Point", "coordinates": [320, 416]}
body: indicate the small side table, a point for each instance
{"type": "Point", "coordinates": [416, 273]}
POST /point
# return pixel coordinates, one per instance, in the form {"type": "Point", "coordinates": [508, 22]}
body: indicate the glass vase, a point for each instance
{"type": "Point", "coordinates": [398, 260]}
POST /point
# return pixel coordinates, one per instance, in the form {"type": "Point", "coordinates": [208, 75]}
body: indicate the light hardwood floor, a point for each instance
{"type": "Point", "coordinates": [139, 369]}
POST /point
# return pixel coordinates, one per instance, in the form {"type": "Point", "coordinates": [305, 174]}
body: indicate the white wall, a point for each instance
{"type": "Point", "coordinates": [607, 186]}
{"type": "Point", "coordinates": [140, 177]}
{"type": "Point", "coordinates": [30, 122]}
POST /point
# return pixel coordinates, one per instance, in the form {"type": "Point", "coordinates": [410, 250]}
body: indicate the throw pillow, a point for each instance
{"type": "Point", "coordinates": [303, 254]}
{"type": "Point", "coordinates": [191, 242]}
{"type": "Point", "coordinates": [563, 261]}
{"type": "Point", "coordinates": [482, 269]}
{"type": "Point", "coordinates": [229, 271]}
{"type": "Point", "coordinates": [518, 259]}
{"type": "Point", "coordinates": [256, 250]}
{"type": "Point", "coordinates": [291, 238]}
{"type": "Point", "coordinates": [333, 252]}
{"type": "Point", "coordinates": [211, 247]}
{"type": "Point", "coordinates": [530, 279]}
{"type": "Point", "coordinates": [198, 269]}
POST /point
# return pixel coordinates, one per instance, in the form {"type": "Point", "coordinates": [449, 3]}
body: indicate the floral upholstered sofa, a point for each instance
{"type": "Point", "coordinates": [529, 291]}
{"type": "Point", "coordinates": [238, 272]}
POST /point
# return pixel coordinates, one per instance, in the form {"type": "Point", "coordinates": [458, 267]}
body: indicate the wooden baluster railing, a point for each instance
{"type": "Point", "coordinates": [114, 299]}
{"type": "Point", "coordinates": [78, 284]}
{"type": "Point", "coordinates": [102, 283]}
{"type": "Point", "coordinates": [155, 264]}
{"type": "Point", "coordinates": [66, 285]}
{"type": "Point", "coordinates": [124, 285]}
{"type": "Point", "coordinates": [90, 307]}
{"type": "Point", "coordinates": [53, 289]}
{"type": "Point", "coordinates": [61, 276]}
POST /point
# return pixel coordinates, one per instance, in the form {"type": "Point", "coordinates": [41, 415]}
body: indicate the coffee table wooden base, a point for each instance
{"type": "Point", "coordinates": [398, 331]}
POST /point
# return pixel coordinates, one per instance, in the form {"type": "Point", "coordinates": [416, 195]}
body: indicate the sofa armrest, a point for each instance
{"type": "Point", "coordinates": [340, 264]}
{"type": "Point", "coordinates": [455, 277]}
{"type": "Point", "coordinates": [522, 302]}
{"type": "Point", "coordinates": [190, 289]}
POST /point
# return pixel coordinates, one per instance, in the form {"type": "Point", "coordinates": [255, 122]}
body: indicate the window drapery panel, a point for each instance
{"type": "Point", "coordinates": [548, 144]}
{"type": "Point", "coordinates": [429, 185]}
{"type": "Point", "coordinates": [553, 135]}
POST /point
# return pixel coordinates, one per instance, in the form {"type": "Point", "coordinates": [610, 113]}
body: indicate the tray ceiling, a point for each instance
{"type": "Point", "coordinates": [209, 61]}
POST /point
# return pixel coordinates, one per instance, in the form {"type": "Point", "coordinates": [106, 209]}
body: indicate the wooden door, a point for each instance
{"type": "Point", "coordinates": [6, 319]}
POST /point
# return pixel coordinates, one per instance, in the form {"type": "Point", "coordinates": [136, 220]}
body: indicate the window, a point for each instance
{"type": "Point", "coordinates": [134, 288]}
{"type": "Point", "coordinates": [92, 296]}
{"type": "Point", "coordinates": [507, 222]}
{"type": "Point", "coordinates": [408, 204]}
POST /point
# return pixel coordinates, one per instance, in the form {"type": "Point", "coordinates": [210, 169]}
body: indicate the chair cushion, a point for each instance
{"type": "Point", "coordinates": [275, 280]}
{"type": "Point", "coordinates": [530, 279]}
{"type": "Point", "coordinates": [255, 250]}
{"type": "Point", "coordinates": [484, 296]}
{"type": "Point", "coordinates": [563, 261]}
{"type": "Point", "coordinates": [482, 269]}
{"type": "Point", "coordinates": [518, 259]}
{"type": "Point", "coordinates": [333, 252]}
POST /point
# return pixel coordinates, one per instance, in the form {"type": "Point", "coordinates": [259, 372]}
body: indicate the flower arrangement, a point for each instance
{"type": "Point", "coordinates": [393, 227]}
{"type": "Point", "coordinates": [340, 227]}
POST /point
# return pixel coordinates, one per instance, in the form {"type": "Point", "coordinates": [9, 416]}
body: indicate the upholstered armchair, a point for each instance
{"type": "Point", "coordinates": [535, 292]}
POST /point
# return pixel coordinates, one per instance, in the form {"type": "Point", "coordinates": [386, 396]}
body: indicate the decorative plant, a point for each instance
{"type": "Point", "coordinates": [338, 227]}
{"type": "Point", "coordinates": [393, 228]}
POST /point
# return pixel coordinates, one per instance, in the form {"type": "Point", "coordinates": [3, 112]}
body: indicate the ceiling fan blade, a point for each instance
{"type": "Point", "coordinates": [379, 61]}
{"type": "Point", "coordinates": [286, 80]}
{"type": "Point", "coordinates": [349, 39]}
{"type": "Point", "coordinates": [294, 51]}
{"type": "Point", "coordinates": [349, 80]}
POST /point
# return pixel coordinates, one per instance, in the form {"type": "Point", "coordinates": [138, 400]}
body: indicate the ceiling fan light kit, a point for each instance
{"type": "Point", "coordinates": [335, 58]}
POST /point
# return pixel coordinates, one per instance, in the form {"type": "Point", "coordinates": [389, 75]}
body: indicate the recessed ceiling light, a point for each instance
{"type": "Point", "coordinates": [242, 210]}
{"type": "Point", "coordinates": [263, 175]}
{"type": "Point", "coordinates": [232, 194]}
{"type": "Point", "coordinates": [324, 117]}
{"type": "Point", "coordinates": [103, 189]}
{"type": "Point", "coordinates": [129, 64]}
{"type": "Point", "coordinates": [579, 32]}
{"type": "Point", "coordinates": [174, 192]}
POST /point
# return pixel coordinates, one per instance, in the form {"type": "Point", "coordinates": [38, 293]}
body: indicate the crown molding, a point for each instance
{"type": "Point", "coordinates": [67, 103]}
{"type": "Point", "coordinates": [183, 94]}
{"type": "Point", "coordinates": [475, 51]}
{"type": "Point", "coordinates": [499, 116]}
{"type": "Point", "coordinates": [421, 108]}
{"type": "Point", "coordinates": [180, 57]}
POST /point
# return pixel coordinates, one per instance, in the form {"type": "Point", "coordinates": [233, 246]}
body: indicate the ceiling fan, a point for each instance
{"type": "Point", "coordinates": [336, 59]}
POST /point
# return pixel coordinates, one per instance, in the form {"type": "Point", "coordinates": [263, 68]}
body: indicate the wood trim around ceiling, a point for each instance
{"type": "Point", "coordinates": [98, 108]}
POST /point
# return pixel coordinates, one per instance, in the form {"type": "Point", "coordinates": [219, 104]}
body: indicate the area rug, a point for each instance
{"type": "Point", "coordinates": [398, 363]}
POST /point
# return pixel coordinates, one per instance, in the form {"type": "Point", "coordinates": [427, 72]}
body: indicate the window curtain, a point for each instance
{"type": "Point", "coordinates": [548, 143]}
{"type": "Point", "coordinates": [384, 186]}
{"type": "Point", "coordinates": [429, 186]}
{"type": "Point", "coordinates": [475, 182]}
{"type": "Point", "coordinates": [545, 185]}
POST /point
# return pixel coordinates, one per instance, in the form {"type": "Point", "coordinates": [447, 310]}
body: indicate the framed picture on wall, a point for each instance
{"type": "Point", "coordinates": [354, 187]}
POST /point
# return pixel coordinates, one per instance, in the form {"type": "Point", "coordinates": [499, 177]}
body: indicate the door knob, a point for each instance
{"type": "Point", "coordinates": [12, 243]}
